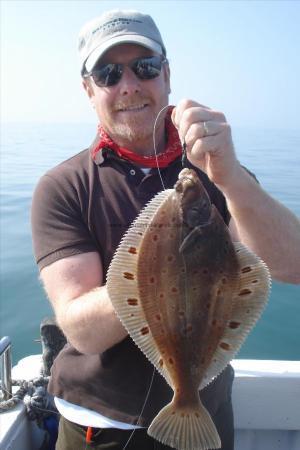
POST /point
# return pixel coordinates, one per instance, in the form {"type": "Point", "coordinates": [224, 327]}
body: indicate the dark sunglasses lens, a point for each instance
{"type": "Point", "coordinates": [147, 68]}
{"type": "Point", "coordinates": [107, 74]}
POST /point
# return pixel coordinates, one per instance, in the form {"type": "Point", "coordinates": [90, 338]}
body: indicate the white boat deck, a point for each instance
{"type": "Point", "coordinates": [266, 400]}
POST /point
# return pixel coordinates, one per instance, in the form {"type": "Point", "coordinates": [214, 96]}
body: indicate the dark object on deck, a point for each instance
{"type": "Point", "coordinates": [53, 340]}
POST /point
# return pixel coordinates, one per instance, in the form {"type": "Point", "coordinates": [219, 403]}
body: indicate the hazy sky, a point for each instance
{"type": "Point", "coordinates": [241, 57]}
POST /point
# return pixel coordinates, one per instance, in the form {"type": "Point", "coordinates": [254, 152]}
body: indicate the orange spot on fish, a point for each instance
{"type": "Point", "coordinates": [158, 317]}
{"type": "Point", "coordinates": [233, 325]}
{"type": "Point", "coordinates": [246, 269]}
{"type": "Point", "coordinates": [161, 362]}
{"type": "Point", "coordinates": [254, 281]}
{"type": "Point", "coordinates": [161, 295]}
{"type": "Point", "coordinates": [132, 250]}
{"type": "Point", "coordinates": [174, 289]}
{"type": "Point", "coordinates": [225, 346]}
{"type": "Point", "coordinates": [245, 292]}
{"type": "Point", "coordinates": [182, 414]}
{"type": "Point", "coordinates": [152, 280]}
{"type": "Point", "coordinates": [145, 330]}
{"type": "Point", "coordinates": [132, 301]}
{"type": "Point", "coordinates": [128, 275]}
{"type": "Point", "coordinates": [197, 414]}
{"type": "Point", "coordinates": [170, 258]}
{"type": "Point", "coordinates": [155, 237]}
{"type": "Point", "coordinates": [171, 360]}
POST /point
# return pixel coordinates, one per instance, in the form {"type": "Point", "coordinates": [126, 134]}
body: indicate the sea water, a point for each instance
{"type": "Point", "coordinates": [28, 150]}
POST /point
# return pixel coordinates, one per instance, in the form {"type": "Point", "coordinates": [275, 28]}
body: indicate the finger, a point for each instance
{"type": "Point", "coordinates": [203, 129]}
{"type": "Point", "coordinates": [182, 106]}
{"type": "Point", "coordinates": [199, 115]}
{"type": "Point", "coordinates": [209, 144]}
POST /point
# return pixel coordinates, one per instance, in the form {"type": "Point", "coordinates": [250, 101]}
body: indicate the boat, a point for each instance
{"type": "Point", "coordinates": [266, 403]}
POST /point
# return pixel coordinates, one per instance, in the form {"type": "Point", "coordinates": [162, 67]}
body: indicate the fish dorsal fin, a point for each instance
{"type": "Point", "coordinates": [122, 283]}
{"type": "Point", "coordinates": [248, 303]}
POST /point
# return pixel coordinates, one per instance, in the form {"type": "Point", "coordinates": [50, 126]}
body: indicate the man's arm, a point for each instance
{"type": "Point", "coordinates": [266, 226]}
{"type": "Point", "coordinates": [263, 224]}
{"type": "Point", "coordinates": [82, 307]}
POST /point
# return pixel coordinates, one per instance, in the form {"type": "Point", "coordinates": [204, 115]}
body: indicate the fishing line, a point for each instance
{"type": "Point", "coordinates": [148, 393]}
{"type": "Point", "coordinates": [183, 157]}
{"type": "Point", "coordinates": [154, 145]}
{"type": "Point", "coordinates": [163, 185]}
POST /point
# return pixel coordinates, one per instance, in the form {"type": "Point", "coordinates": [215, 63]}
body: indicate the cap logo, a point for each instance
{"type": "Point", "coordinates": [115, 23]}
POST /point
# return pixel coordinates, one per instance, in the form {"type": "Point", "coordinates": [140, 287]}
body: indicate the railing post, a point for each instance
{"type": "Point", "coordinates": [5, 354]}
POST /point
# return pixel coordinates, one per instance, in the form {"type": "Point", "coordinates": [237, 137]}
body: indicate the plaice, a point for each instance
{"type": "Point", "coordinates": [188, 296]}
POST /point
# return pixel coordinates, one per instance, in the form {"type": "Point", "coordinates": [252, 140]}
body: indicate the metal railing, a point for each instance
{"type": "Point", "coordinates": [5, 355]}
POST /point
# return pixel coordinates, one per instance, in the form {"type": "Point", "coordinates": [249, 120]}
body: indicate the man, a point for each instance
{"type": "Point", "coordinates": [103, 385]}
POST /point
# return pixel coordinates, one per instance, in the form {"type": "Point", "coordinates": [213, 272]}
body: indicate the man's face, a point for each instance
{"type": "Point", "coordinates": [127, 110]}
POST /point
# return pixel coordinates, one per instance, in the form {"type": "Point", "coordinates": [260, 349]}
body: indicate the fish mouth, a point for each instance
{"type": "Point", "coordinates": [186, 178]}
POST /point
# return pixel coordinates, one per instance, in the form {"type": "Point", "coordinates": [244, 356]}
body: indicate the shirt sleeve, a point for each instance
{"type": "Point", "coordinates": [58, 226]}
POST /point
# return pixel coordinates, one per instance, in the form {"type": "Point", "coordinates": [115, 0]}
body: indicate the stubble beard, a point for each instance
{"type": "Point", "coordinates": [134, 133]}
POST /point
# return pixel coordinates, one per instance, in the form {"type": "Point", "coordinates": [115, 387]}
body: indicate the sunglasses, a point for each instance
{"type": "Point", "coordinates": [111, 73]}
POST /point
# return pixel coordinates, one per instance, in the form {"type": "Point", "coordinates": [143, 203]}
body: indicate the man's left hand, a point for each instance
{"type": "Point", "coordinates": [208, 140]}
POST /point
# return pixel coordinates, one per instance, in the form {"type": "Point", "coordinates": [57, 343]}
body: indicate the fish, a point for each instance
{"type": "Point", "coordinates": [188, 296]}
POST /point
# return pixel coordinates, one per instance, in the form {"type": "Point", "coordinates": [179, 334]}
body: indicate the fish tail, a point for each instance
{"type": "Point", "coordinates": [185, 428]}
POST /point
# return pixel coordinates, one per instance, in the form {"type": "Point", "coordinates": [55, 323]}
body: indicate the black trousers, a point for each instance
{"type": "Point", "coordinates": [73, 437]}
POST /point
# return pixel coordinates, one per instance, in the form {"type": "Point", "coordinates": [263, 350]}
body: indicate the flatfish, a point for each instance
{"type": "Point", "coordinates": [188, 296]}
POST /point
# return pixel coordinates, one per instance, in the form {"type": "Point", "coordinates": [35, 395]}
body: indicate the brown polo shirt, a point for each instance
{"type": "Point", "coordinates": [83, 206]}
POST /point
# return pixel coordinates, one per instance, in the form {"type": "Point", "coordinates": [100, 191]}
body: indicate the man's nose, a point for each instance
{"type": "Point", "coordinates": [129, 83]}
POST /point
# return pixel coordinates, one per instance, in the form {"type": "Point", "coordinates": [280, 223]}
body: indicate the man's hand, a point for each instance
{"type": "Point", "coordinates": [208, 139]}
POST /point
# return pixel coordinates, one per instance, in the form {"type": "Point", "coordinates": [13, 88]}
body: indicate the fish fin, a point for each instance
{"type": "Point", "coordinates": [122, 284]}
{"type": "Point", "coordinates": [185, 428]}
{"type": "Point", "coordinates": [248, 302]}
{"type": "Point", "coordinates": [191, 239]}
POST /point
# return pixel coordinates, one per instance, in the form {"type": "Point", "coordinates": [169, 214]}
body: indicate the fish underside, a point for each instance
{"type": "Point", "coordinates": [188, 296]}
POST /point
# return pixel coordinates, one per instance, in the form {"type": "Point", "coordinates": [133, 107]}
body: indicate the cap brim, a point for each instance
{"type": "Point", "coordinates": [127, 39]}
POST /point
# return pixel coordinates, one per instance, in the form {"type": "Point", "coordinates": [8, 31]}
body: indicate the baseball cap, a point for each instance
{"type": "Point", "coordinates": [117, 27]}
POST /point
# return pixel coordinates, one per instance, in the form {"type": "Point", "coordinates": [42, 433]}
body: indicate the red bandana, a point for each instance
{"type": "Point", "coordinates": [172, 151]}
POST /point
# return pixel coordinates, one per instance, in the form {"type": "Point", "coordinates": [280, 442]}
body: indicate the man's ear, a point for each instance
{"type": "Point", "coordinates": [167, 77]}
{"type": "Point", "coordinates": [88, 87]}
